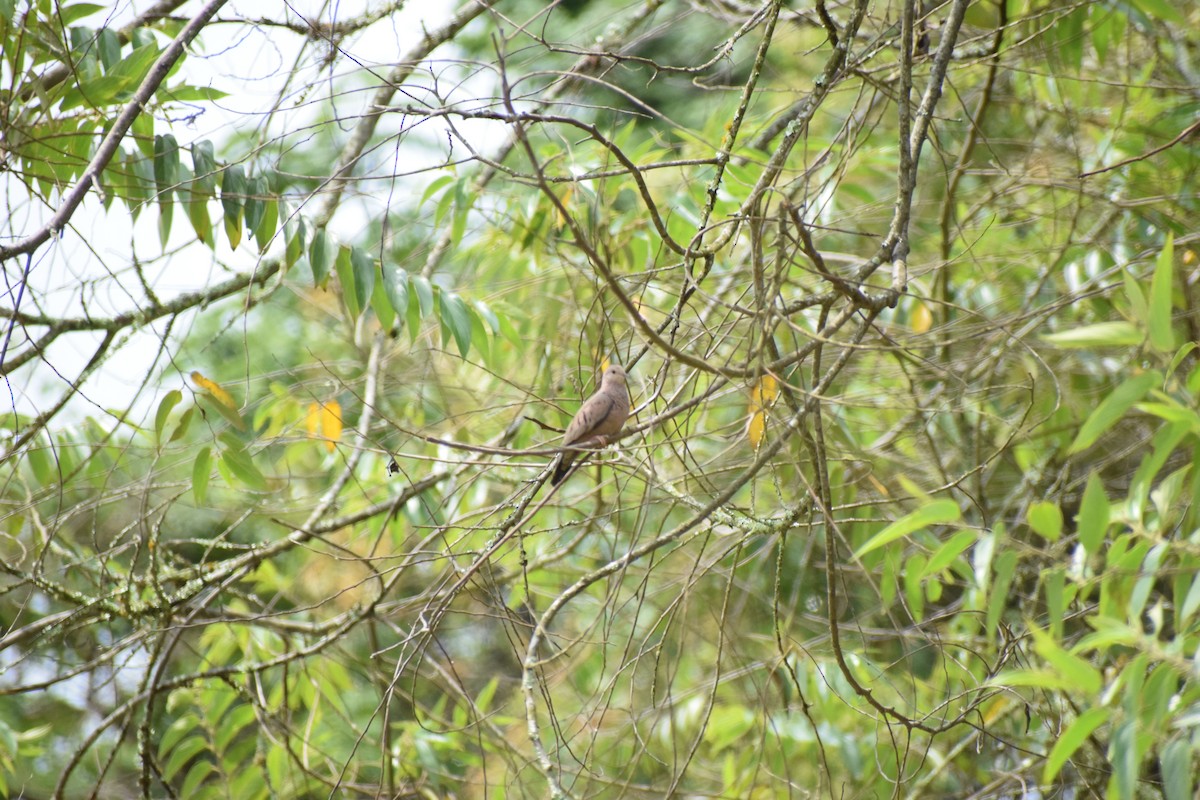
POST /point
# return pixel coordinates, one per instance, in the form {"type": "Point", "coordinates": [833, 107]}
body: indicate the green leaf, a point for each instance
{"type": "Point", "coordinates": [1156, 696]}
{"type": "Point", "coordinates": [509, 331]}
{"type": "Point", "coordinates": [1102, 32]}
{"type": "Point", "coordinates": [195, 777]}
{"type": "Point", "coordinates": [420, 284]}
{"type": "Point", "coordinates": [1164, 442]}
{"type": "Point", "coordinates": [485, 312]}
{"type": "Point", "coordinates": [1148, 574]}
{"type": "Point", "coordinates": [242, 466]}
{"type": "Point", "coordinates": [463, 200]}
{"type": "Point", "coordinates": [204, 167]}
{"type": "Point", "coordinates": [483, 702]}
{"type": "Point", "coordinates": [233, 190]}
{"type": "Point", "coordinates": [395, 286]}
{"type": "Point", "coordinates": [1191, 602]}
{"type": "Point", "coordinates": [135, 66]}
{"type": "Point", "coordinates": [165, 405]}
{"type": "Point", "coordinates": [231, 415]}
{"type": "Point", "coordinates": [1123, 755]}
{"type": "Point", "coordinates": [1135, 296]}
{"type": "Point", "coordinates": [433, 187]}
{"type": "Point", "coordinates": [345, 273]}
{"type": "Point", "coordinates": [265, 231]}
{"type": "Point", "coordinates": [70, 14]}
{"type": "Point", "coordinates": [457, 317]}
{"type": "Point", "coordinates": [318, 257]}
{"type": "Point", "coordinates": [1176, 762]}
{"type": "Point", "coordinates": [1109, 633]}
{"type": "Point", "coordinates": [1081, 675]}
{"type": "Point", "coordinates": [187, 750]}
{"type": "Point", "coordinates": [237, 720]}
{"type": "Point", "coordinates": [138, 185]}
{"type": "Point", "coordinates": [1053, 586]}
{"type": "Point", "coordinates": [98, 92]}
{"type": "Point", "coordinates": [1094, 514]}
{"type": "Point", "coordinates": [1072, 738]}
{"type": "Point", "coordinates": [1162, 338]}
{"type": "Point", "coordinates": [1112, 408]}
{"type": "Point", "coordinates": [1036, 678]}
{"type": "Point", "coordinates": [414, 315]}
{"type": "Point", "coordinates": [197, 211]}
{"type": "Point", "coordinates": [256, 199]}
{"type": "Point", "coordinates": [444, 204]}
{"type": "Point", "coordinates": [364, 275]}
{"type": "Point", "coordinates": [1159, 9]}
{"type": "Point", "coordinates": [143, 133]}
{"type": "Point", "coordinates": [382, 307]}
{"type": "Point", "coordinates": [1102, 334]}
{"type": "Point", "coordinates": [295, 242]}
{"type": "Point", "coordinates": [247, 783]}
{"type": "Point", "coordinates": [728, 726]}
{"type": "Point", "coordinates": [1068, 32]}
{"type": "Point", "coordinates": [937, 512]}
{"type": "Point", "coordinates": [141, 37]}
{"type": "Point", "coordinates": [1046, 520]}
{"type": "Point", "coordinates": [116, 85]}
{"type": "Point", "coordinates": [1167, 495]}
{"type": "Point", "coordinates": [201, 469]}
{"type": "Point", "coordinates": [1004, 566]}
{"type": "Point", "coordinates": [166, 164]}
{"type": "Point", "coordinates": [175, 733]}
{"type": "Point", "coordinates": [166, 172]}
{"type": "Point", "coordinates": [914, 567]}
{"type": "Point", "coordinates": [192, 94]}
{"type": "Point", "coordinates": [40, 463]}
{"type": "Point", "coordinates": [1172, 412]}
{"type": "Point", "coordinates": [945, 555]}
{"type": "Point", "coordinates": [1183, 352]}
{"type": "Point", "coordinates": [479, 334]}
{"type": "Point", "coordinates": [185, 421]}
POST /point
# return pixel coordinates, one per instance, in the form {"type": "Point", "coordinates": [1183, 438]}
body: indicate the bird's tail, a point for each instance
{"type": "Point", "coordinates": [562, 468]}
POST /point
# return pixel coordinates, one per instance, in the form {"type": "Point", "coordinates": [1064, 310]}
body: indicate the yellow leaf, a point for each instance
{"type": "Point", "coordinates": [566, 199]}
{"type": "Point", "coordinates": [324, 421]}
{"type": "Point", "coordinates": [756, 428]}
{"type": "Point", "coordinates": [764, 393]}
{"type": "Point", "coordinates": [331, 422]}
{"type": "Point", "coordinates": [921, 319]}
{"type": "Point", "coordinates": [879, 487]}
{"type": "Point", "coordinates": [213, 388]}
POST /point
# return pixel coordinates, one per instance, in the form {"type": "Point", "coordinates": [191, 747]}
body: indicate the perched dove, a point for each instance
{"type": "Point", "coordinates": [600, 416]}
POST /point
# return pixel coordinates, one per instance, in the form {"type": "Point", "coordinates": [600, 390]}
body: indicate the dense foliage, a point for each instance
{"type": "Point", "coordinates": [297, 306]}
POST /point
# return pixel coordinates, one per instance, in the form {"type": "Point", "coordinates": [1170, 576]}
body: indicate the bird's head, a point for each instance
{"type": "Point", "coordinates": [614, 374]}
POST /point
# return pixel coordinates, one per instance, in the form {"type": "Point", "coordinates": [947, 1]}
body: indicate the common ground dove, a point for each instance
{"type": "Point", "coordinates": [600, 416]}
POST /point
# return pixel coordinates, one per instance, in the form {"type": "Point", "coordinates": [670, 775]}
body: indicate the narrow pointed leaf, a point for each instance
{"type": "Point", "coordinates": [201, 469]}
{"type": "Point", "coordinates": [364, 275]}
{"type": "Point", "coordinates": [1112, 408]}
{"type": "Point", "coordinates": [318, 257]}
{"type": "Point", "coordinates": [169, 401]}
{"type": "Point", "coordinates": [1093, 516]}
{"type": "Point", "coordinates": [937, 512]}
{"type": "Point", "coordinates": [1162, 337]}
{"type": "Point", "coordinates": [233, 189]}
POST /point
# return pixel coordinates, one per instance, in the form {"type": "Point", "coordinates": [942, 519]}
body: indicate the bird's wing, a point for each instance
{"type": "Point", "coordinates": [591, 416]}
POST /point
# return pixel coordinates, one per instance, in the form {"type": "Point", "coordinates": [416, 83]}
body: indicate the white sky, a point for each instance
{"type": "Point", "coordinates": [74, 275]}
